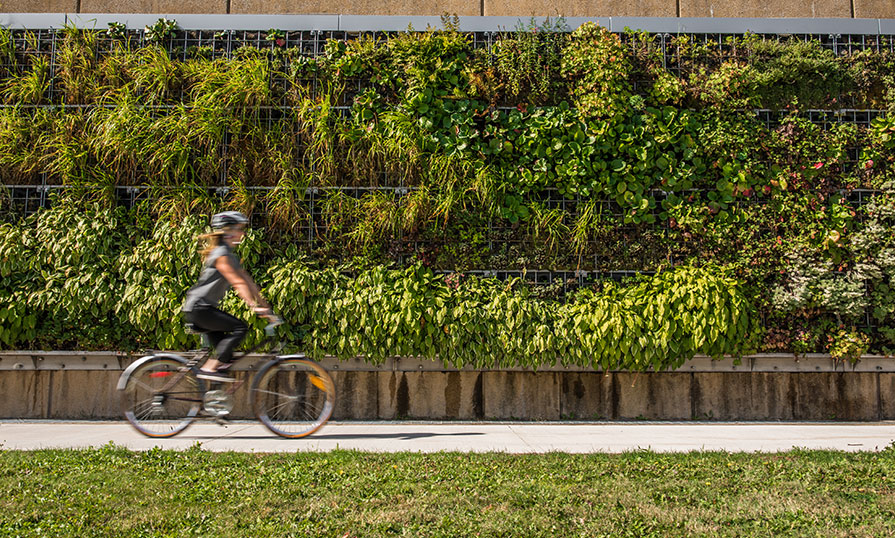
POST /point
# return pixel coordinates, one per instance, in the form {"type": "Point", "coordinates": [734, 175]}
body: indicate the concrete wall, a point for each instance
{"type": "Point", "coordinates": [580, 8]}
{"type": "Point", "coordinates": [765, 9]}
{"type": "Point", "coordinates": [79, 385]}
{"type": "Point", "coordinates": [39, 6]}
{"type": "Point", "coordinates": [515, 8]}
{"type": "Point", "coordinates": [152, 6]}
{"type": "Point", "coordinates": [507, 395]}
{"type": "Point", "coordinates": [359, 7]}
{"type": "Point", "coordinates": [870, 9]}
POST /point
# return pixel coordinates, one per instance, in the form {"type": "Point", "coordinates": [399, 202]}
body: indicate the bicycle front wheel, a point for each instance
{"type": "Point", "coordinates": [293, 396]}
{"type": "Point", "coordinates": [160, 395]}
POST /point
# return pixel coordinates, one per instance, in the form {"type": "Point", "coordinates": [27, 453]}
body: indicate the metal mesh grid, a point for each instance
{"type": "Point", "coordinates": [772, 119]}
{"type": "Point", "coordinates": [187, 43]}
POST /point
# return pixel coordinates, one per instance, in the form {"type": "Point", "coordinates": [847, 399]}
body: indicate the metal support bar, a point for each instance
{"type": "Point", "coordinates": [400, 23]}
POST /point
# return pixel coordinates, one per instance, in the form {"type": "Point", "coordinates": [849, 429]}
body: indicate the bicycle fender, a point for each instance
{"type": "Point", "coordinates": [122, 380]}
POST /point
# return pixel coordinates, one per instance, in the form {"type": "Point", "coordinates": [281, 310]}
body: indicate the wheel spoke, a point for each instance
{"type": "Point", "coordinates": [275, 393]}
{"type": "Point", "coordinates": [274, 409]}
{"type": "Point", "coordinates": [139, 383]}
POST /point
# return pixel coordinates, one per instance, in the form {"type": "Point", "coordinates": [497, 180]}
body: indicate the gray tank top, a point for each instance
{"type": "Point", "coordinates": [212, 285]}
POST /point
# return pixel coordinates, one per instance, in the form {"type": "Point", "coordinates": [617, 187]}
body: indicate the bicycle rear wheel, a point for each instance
{"type": "Point", "coordinates": [293, 396]}
{"type": "Point", "coordinates": [160, 395]}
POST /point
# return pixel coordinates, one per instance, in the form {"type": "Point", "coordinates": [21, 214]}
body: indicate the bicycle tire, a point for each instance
{"type": "Point", "coordinates": [155, 401]}
{"type": "Point", "coordinates": [293, 396]}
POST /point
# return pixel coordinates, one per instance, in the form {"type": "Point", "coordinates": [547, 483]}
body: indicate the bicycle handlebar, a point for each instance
{"type": "Point", "coordinates": [274, 321]}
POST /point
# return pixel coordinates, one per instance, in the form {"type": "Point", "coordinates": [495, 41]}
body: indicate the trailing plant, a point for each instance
{"type": "Point", "coordinates": [284, 204]}
{"type": "Point", "coordinates": [155, 275]}
{"type": "Point", "coordinates": [21, 150]}
{"type": "Point", "coordinates": [663, 321]}
{"type": "Point", "coordinates": [873, 249]}
{"type": "Point", "coordinates": [7, 53]}
{"type": "Point", "coordinates": [812, 283]}
{"type": "Point", "coordinates": [74, 250]}
{"type": "Point", "coordinates": [796, 70]}
{"type": "Point", "coordinates": [154, 75]}
{"type": "Point", "coordinates": [597, 65]}
{"type": "Point", "coordinates": [18, 321]}
{"type": "Point", "coordinates": [547, 226]}
{"type": "Point", "coordinates": [482, 323]}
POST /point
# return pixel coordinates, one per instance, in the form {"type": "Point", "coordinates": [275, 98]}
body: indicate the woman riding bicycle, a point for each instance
{"type": "Point", "coordinates": [221, 270]}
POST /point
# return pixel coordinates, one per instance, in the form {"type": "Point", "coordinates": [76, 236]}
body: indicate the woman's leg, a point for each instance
{"type": "Point", "coordinates": [224, 331]}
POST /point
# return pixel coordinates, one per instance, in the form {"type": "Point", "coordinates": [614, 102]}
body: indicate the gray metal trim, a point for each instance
{"type": "Point", "coordinates": [386, 23]}
{"type": "Point", "coordinates": [100, 21]}
{"type": "Point", "coordinates": [658, 25]}
{"type": "Point", "coordinates": [574, 22]}
{"type": "Point", "coordinates": [219, 21]}
{"type": "Point", "coordinates": [134, 21]}
{"type": "Point", "coordinates": [398, 23]}
{"type": "Point", "coordinates": [778, 26]}
{"type": "Point", "coordinates": [32, 20]}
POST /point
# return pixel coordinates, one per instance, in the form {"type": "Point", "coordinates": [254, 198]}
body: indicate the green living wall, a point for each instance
{"type": "Point", "coordinates": [383, 169]}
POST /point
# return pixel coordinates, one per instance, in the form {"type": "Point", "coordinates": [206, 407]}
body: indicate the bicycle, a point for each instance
{"type": "Point", "coordinates": [161, 395]}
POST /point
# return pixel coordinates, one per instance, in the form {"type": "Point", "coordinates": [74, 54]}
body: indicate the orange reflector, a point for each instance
{"type": "Point", "coordinates": [318, 382]}
{"type": "Point", "coordinates": [160, 374]}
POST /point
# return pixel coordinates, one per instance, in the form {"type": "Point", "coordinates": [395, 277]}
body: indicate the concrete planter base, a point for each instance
{"type": "Point", "coordinates": [545, 395]}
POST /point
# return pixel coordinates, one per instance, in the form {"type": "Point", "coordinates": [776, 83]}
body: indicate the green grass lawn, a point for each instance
{"type": "Point", "coordinates": [115, 492]}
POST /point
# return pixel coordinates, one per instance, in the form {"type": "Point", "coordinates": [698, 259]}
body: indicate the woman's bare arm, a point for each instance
{"type": "Point", "coordinates": [238, 280]}
{"type": "Point", "coordinates": [256, 291]}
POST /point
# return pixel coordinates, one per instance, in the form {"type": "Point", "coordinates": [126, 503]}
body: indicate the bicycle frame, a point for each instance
{"type": "Point", "coordinates": [188, 365]}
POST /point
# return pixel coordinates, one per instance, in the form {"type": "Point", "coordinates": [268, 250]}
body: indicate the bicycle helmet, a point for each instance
{"type": "Point", "coordinates": [227, 219]}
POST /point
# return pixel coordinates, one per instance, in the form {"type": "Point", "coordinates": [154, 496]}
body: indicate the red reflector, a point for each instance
{"type": "Point", "coordinates": [160, 374]}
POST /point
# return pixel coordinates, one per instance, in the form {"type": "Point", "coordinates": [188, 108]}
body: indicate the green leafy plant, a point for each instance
{"type": "Point", "coordinates": [116, 30]}
{"type": "Point", "coordinates": [597, 65]}
{"type": "Point", "coordinates": [276, 37]}
{"type": "Point", "coordinates": [160, 31]}
{"type": "Point", "coordinates": [848, 344]}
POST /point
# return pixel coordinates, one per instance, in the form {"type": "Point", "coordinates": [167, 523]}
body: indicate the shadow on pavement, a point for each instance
{"type": "Point", "coordinates": [398, 436]}
{"type": "Point", "coordinates": [336, 436]}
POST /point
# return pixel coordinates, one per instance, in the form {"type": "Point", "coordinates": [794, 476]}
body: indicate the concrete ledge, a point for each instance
{"type": "Point", "coordinates": [508, 395]}
{"type": "Point", "coordinates": [110, 360]}
{"type": "Point", "coordinates": [81, 385]}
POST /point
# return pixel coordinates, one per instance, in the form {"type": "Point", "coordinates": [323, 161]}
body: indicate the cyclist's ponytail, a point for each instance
{"type": "Point", "coordinates": [210, 241]}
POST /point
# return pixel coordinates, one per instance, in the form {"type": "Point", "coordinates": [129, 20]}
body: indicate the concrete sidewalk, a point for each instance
{"type": "Point", "coordinates": [511, 437]}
